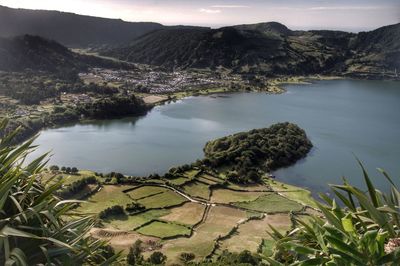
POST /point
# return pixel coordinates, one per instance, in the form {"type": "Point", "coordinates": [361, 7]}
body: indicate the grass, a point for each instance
{"type": "Point", "coordinates": [270, 203]}
{"type": "Point", "coordinates": [108, 196]}
{"type": "Point", "coordinates": [165, 199]}
{"type": "Point", "coordinates": [251, 234]}
{"type": "Point", "coordinates": [228, 196]}
{"type": "Point", "coordinates": [191, 173]}
{"type": "Point", "coordinates": [220, 221]}
{"type": "Point", "coordinates": [162, 230]}
{"type": "Point", "coordinates": [298, 194]}
{"type": "Point", "coordinates": [129, 223]}
{"type": "Point", "coordinates": [197, 189]}
{"type": "Point", "coordinates": [190, 213]}
{"type": "Point", "coordinates": [179, 181]}
{"type": "Point", "coordinates": [145, 191]}
{"type": "Point", "coordinates": [68, 178]}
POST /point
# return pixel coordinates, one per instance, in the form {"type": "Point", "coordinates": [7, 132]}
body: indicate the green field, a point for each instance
{"type": "Point", "coordinates": [228, 196]}
{"type": "Point", "coordinates": [197, 189]}
{"type": "Point", "coordinates": [271, 203]}
{"type": "Point", "coordinates": [179, 181]}
{"type": "Point", "coordinates": [300, 195]}
{"type": "Point", "coordinates": [191, 173]}
{"type": "Point", "coordinates": [129, 223]}
{"type": "Point", "coordinates": [108, 196]}
{"type": "Point", "coordinates": [145, 191]}
{"type": "Point", "coordinates": [162, 230]}
{"type": "Point", "coordinates": [165, 199]}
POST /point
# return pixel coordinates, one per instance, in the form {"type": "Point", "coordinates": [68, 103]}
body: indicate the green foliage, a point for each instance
{"type": "Point", "coordinates": [134, 207]}
{"type": "Point", "coordinates": [157, 258]}
{"type": "Point", "coordinates": [186, 257]}
{"type": "Point", "coordinates": [114, 106]}
{"type": "Point", "coordinates": [112, 211]}
{"type": "Point", "coordinates": [76, 187]}
{"type": "Point", "coordinates": [277, 146]}
{"type": "Point", "coordinates": [358, 228]}
{"type": "Point", "coordinates": [36, 227]}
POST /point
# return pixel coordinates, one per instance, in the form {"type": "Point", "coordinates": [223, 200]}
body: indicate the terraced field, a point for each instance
{"type": "Point", "coordinates": [184, 218]}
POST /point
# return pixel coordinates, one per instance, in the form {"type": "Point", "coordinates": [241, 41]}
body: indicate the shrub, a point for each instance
{"type": "Point", "coordinates": [37, 228]}
{"type": "Point", "coordinates": [110, 211]}
{"type": "Point", "coordinates": [358, 228]}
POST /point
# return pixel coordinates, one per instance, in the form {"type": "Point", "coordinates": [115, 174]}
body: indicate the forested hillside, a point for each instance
{"type": "Point", "coordinates": [269, 48]}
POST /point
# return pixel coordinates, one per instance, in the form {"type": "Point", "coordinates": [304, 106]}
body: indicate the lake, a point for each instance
{"type": "Point", "coordinates": [343, 119]}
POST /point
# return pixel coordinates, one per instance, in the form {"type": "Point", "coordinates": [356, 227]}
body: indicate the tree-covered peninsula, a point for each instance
{"type": "Point", "coordinates": [243, 154]}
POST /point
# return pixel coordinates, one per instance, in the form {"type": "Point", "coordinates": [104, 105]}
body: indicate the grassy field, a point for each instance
{"type": "Point", "coordinates": [300, 195]}
{"type": "Point", "coordinates": [165, 199]}
{"type": "Point", "coordinates": [270, 202]}
{"type": "Point", "coordinates": [228, 196]}
{"type": "Point", "coordinates": [197, 189]}
{"type": "Point", "coordinates": [145, 191]}
{"type": "Point", "coordinates": [129, 223]}
{"type": "Point", "coordinates": [179, 181]}
{"type": "Point", "coordinates": [68, 178]}
{"type": "Point", "coordinates": [250, 234]}
{"type": "Point", "coordinates": [108, 196]}
{"type": "Point", "coordinates": [219, 222]}
{"type": "Point", "coordinates": [162, 230]}
{"type": "Point", "coordinates": [190, 213]}
{"type": "Point", "coordinates": [191, 173]}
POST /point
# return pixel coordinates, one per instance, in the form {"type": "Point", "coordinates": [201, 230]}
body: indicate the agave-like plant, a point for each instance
{"type": "Point", "coordinates": [355, 227]}
{"type": "Point", "coordinates": [37, 227]}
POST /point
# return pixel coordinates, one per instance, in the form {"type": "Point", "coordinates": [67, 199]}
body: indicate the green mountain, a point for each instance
{"type": "Point", "coordinates": [70, 29]}
{"type": "Point", "coordinates": [268, 48]}
{"type": "Point", "coordinates": [39, 54]}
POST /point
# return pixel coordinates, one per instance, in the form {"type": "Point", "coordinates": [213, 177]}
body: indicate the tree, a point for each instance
{"type": "Point", "coordinates": [68, 170]}
{"type": "Point", "coordinates": [135, 253]}
{"type": "Point", "coordinates": [186, 257]}
{"type": "Point", "coordinates": [54, 168]}
{"type": "Point", "coordinates": [157, 258]}
{"type": "Point", "coordinates": [38, 228]}
{"type": "Point", "coordinates": [74, 170]}
{"type": "Point", "coordinates": [63, 168]}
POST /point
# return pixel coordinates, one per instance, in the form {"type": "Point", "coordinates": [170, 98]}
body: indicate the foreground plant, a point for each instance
{"type": "Point", "coordinates": [36, 227]}
{"type": "Point", "coordinates": [357, 228]}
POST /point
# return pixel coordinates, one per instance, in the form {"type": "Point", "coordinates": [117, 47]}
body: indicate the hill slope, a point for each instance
{"type": "Point", "coordinates": [70, 29]}
{"type": "Point", "coordinates": [268, 48]}
{"type": "Point", "coordinates": [39, 54]}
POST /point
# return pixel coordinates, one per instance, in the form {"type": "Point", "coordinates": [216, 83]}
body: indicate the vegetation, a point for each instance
{"type": "Point", "coordinates": [271, 203]}
{"type": "Point", "coordinates": [270, 148]}
{"type": "Point", "coordinates": [112, 211]}
{"type": "Point", "coordinates": [76, 187]}
{"type": "Point", "coordinates": [163, 229]}
{"type": "Point", "coordinates": [358, 228]}
{"type": "Point", "coordinates": [269, 49]}
{"type": "Point", "coordinates": [36, 227]}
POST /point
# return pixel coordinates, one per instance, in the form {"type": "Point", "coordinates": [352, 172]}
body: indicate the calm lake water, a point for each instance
{"type": "Point", "coordinates": [343, 118]}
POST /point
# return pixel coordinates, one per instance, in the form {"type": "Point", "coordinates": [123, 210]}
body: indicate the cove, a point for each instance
{"type": "Point", "coordinates": [343, 119]}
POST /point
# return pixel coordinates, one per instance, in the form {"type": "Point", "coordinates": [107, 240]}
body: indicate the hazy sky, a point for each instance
{"type": "Point", "coordinates": [297, 14]}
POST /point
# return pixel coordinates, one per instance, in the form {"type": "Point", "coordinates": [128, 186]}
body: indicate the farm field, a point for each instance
{"type": "Point", "coordinates": [229, 196]}
{"type": "Point", "coordinates": [198, 190]}
{"type": "Point", "coordinates": [108, 196]}
{"type": "Point", "coordinates": [190, 213]}
{"type": "Point", "coordinates": [163, 229]}
{"type": "Point", "coordinates": [270, 203]}
{"type": "Point", "coordinates": [174, 216]}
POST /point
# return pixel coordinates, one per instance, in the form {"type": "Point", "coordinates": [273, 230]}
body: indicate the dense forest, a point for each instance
{"type": "Point", "coordinates": [268, 148]}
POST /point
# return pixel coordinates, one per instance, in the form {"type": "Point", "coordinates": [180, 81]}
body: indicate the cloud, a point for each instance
{"type": "Point", "coordinates": [344, 8]}
{"type": "Point", "coordinates": [210, 11]}
{"type": "Point", "coordinates": [229, 6]}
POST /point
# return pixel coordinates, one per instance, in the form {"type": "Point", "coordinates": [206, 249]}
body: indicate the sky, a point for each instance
{"type": "Point", "coordinates": [351, 15]}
